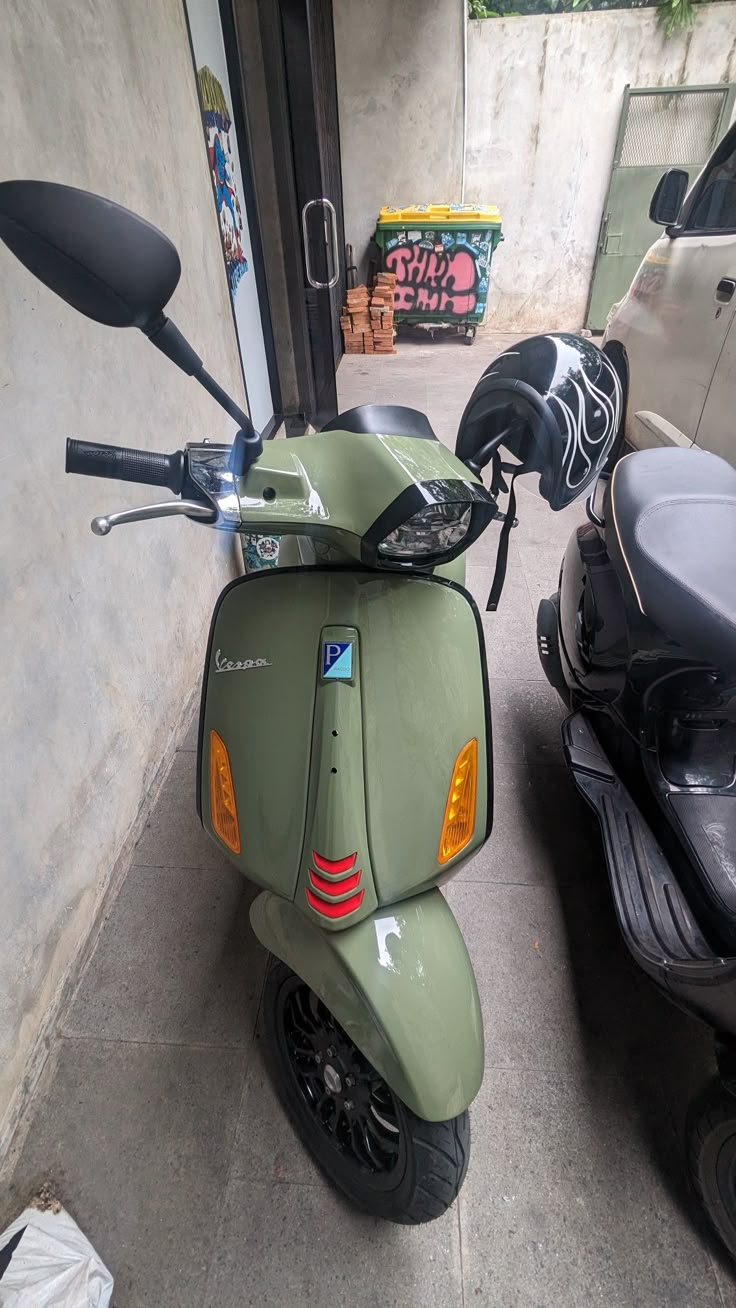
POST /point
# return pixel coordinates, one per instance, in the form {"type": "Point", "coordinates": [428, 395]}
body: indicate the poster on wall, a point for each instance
{"type": "Point", "coordinates": [217, 130]}
{"type": "Point", "coordinates": [227, 182]}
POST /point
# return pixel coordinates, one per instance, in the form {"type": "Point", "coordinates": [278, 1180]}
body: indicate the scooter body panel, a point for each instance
{"type": "Point", "coordinates": [324, 758]}
{"type": "Point", "coordinates": [334, 486]}
{"type": "Point", "coordinates": [651, 747]}
{"type": "Point", "coordinates": [401, 985]}
{"type": "Point", "coordinates": [593, 620]}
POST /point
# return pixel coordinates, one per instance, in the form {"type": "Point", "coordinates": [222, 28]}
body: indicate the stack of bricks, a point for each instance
{"type": "Point", "coordinates": [356, 321]}
{"type": "Point", "coordinates": [367, 321]}
{"type": "Point", "coordinates": [382, 313]}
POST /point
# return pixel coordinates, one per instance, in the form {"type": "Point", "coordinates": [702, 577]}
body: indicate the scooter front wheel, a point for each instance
{"type": "Point", "coordinates": [711, 1132]}
{"type": "Point", "coordinates": [387, 1160]}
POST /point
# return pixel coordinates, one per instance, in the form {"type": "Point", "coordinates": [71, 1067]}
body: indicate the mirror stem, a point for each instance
{"type": "Point", "coordinates": [167, 338]}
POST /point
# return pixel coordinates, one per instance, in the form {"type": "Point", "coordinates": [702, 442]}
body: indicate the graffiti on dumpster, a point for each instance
{"type": "Point", "coordinates": [442, 274]}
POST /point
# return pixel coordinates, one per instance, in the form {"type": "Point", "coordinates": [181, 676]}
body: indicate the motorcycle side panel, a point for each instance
{"type": "Point", "coordinates": [593, 620]}
{"type": "Point", "coordinates": [359, 766]}
{"type": "Point", "coordinates": [401, 985]}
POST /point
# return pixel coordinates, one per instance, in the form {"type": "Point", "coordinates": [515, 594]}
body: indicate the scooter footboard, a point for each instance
{"type": "Point", "coordinates": [401, 984]}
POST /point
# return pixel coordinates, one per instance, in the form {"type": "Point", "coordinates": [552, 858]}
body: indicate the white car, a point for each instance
{"type": "Point", "coordinates": [673, 336]}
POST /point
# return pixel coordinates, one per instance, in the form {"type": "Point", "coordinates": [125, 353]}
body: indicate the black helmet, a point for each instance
{"type": "Point", "coordinates": [554, 402]}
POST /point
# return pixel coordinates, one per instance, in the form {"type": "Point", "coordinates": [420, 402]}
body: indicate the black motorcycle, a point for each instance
{"type": "Point", "coordinates": [640, 642]}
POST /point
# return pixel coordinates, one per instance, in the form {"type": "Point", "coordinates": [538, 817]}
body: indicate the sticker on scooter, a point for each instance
{"type": "Point", "coordinates": [337, 660]}
{"type": "Point", "coordinates": [238, 665]}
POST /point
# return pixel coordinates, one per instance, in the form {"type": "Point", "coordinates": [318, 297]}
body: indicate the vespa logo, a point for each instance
{"type": "Point", "coordinates": [232, 665]}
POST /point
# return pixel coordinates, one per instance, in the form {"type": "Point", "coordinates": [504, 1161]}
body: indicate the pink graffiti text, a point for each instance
{"type": "Point", "coordinates": [428, 281]}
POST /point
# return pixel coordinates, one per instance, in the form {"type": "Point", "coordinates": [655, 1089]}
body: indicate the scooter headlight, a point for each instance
{"type": "Point", "coordinates": [430, 523]}
{"type": "Point", "coordinates": [434, 530]}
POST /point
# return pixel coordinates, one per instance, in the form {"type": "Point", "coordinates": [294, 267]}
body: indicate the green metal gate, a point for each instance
{"type": "Point", "coordinates": [660, 127]}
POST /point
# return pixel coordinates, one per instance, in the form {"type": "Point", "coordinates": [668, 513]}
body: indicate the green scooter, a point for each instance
{"type": "Point", "coordinates": [344, 757]}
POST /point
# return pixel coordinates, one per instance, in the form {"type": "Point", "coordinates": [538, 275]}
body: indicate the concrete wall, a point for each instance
{"type": "Point", "coordinates": [544, 98]}
{"type": "Point", "coordinates": [102, 640]}
{"type": "Point", "coordinates": [399, 82]}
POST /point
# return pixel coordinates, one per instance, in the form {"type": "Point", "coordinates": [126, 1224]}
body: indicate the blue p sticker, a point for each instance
{"type": "Point", "coordinates": [337, 660]}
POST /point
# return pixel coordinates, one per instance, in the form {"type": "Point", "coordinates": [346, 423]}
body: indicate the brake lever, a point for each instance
{"type": "Point", "coordinates": [102, 526]}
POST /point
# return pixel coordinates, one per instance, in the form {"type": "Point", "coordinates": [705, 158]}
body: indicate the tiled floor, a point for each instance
{"type": "Point", "coordinates": [159, 1127]}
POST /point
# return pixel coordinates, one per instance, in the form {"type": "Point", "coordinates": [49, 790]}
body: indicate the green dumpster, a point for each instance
{"type": "Point", "coordinates": [441, 255]}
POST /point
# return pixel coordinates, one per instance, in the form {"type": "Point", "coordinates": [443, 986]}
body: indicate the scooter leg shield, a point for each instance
{"type": "Point", "coordinates": [401, 984]}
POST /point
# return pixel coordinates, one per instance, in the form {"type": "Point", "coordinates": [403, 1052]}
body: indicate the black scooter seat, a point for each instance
{"type": "Point", "coordinates": [674, 515]}
{"type": "Point", "coordinates": [390, 419]}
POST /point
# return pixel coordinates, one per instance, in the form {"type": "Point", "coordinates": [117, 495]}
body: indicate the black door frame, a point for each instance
{"type": "Point", "coordinates": [272, 38]}
{"type": "Point", "coordinates": [242, 133]}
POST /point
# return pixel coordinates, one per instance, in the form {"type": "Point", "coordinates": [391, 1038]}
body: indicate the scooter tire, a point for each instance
{"type": "Point", "coordinates": [711, 1156]}
{"type": "Point", "coordinates": [431, 1157]}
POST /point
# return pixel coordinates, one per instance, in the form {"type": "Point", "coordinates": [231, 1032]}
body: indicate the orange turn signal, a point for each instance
{"type": "Point", "coordinates": [223, 813]}
{"type": "Point", "coordinates": [459, 822]}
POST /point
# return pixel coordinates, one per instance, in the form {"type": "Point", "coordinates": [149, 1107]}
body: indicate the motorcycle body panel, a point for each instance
{"type": "Point", "coordinates": [332, 487]}
{"type": "Point", "coordinates": [401, 984]}
{"type": "Point", "coordinates": [354, 767]}
{"type": "Point", "coordinates": [652, 747]}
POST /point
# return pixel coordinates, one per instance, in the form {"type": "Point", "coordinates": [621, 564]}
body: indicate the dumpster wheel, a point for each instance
{"type": "Point", "coordinates": [470, 330]}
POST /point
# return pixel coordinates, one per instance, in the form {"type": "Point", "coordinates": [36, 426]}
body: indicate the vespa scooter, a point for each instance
{"type": "Point", "coordinates": [344, 759]}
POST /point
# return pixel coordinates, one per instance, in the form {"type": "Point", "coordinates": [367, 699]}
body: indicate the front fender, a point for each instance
{"type": "Point", "coordinates": [401, 985]}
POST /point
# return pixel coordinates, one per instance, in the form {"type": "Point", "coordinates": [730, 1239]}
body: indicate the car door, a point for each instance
{"type": "Point", "coordinates": [677, 314]}
{"type": "Point", "coordinates": [717, 208]}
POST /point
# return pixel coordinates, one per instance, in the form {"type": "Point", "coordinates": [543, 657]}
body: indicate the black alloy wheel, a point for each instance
{"type": "Point", "coordinates": [390, 1162]}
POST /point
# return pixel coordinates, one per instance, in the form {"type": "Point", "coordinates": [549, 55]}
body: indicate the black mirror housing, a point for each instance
{"type": "Point", "coordinates": [668, 197]}
{"type": "Point", "coordinates": [103, 260]}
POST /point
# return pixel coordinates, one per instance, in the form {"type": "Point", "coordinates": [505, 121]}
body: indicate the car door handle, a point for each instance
{"type": "Point", "coordinates": [725, 289]}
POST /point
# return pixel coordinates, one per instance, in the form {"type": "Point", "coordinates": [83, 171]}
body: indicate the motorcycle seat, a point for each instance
{"type": "Point", "coordinates": [674, 516]}
{"type": "Point", "coordinates": [389, 419]}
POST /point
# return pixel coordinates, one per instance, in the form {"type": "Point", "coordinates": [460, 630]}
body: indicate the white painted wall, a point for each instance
{"type": "Point", "coordinates": [102, 641]}
{"type": "Point", "coordinates": [544, 98]}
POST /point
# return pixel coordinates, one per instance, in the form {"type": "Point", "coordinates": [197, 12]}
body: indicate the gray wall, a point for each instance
{"type": "Point", "coordinates": [399, 82]}
{"type": "Point", "coordinates": [102, 640]}
{"type": "Point", "coordinates": [544, 97]}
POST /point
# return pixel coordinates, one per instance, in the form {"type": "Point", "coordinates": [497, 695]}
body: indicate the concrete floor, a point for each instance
{"type": "Point", "coordinates": [158, 1125]}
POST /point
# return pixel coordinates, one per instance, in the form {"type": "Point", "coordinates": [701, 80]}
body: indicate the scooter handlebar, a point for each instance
{"type": "Point", "coordinates": [146, 467]}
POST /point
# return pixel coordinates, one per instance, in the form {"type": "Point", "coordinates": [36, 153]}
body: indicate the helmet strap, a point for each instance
{"type": "Point", "coordinates": [509, 521]}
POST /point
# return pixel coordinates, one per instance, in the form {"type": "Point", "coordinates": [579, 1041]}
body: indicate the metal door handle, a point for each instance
{"type": "Point", "coordinates": [603, 233]}
{"type": "Point", "coordinates": [328, 209]}
{"type": "Point", "coordinates": [725, 289]}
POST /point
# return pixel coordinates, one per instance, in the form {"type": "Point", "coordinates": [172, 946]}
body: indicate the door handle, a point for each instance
{"type": "Point", "coordinates": [725, 289]}
{"type": "Point", "coordinates": [330, 219]}
{"type": "Point", "coordinates": [603, 233]}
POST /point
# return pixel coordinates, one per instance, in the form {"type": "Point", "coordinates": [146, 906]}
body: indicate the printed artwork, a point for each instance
{"type": "Point", "coordinates": [217, 124]}
{"type": "Point", "coordinates": [440, 272]}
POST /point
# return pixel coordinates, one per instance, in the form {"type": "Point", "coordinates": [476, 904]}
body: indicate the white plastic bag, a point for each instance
{"type": "Point", "coordinates": [53, 1265]}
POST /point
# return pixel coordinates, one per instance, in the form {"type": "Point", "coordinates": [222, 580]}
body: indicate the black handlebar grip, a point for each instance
{"type": "Point", "coordinates": [142, 466]}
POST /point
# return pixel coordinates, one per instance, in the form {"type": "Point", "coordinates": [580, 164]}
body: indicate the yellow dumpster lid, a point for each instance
{"type": "Point", "coordinates": [438, 214]}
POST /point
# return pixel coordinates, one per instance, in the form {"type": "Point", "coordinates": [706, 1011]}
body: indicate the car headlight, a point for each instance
{"type": "Point", "coordinates": [430, 523]}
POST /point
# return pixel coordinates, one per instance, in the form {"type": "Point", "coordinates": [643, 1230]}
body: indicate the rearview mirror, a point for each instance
{"type": "Point", "coordinates": [102, 259]}
{"type": "Point", "coordinates": [668, 197]}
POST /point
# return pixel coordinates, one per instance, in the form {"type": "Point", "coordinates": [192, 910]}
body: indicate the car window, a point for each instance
{"type": "Point", "coordinates": [715, 207]}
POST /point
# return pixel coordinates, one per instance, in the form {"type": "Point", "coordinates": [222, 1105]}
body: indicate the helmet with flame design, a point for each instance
{"type": "Point", "coordinates": [554, 403]}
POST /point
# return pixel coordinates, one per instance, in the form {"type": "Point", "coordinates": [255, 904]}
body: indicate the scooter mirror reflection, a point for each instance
{"type": "Point", "coordinates": [103, 260]}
